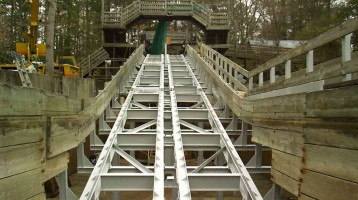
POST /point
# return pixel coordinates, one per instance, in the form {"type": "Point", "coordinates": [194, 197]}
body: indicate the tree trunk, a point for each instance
{"type": "Point", "coordinates": [50, 34]}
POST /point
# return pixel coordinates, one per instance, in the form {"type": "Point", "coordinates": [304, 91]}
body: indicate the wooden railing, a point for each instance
{"type": "Point", "coordinates": [343, 32]}
{"type": "Point", "coordinates": [164, 8]}
{"type": "Point", "coordinates": [175, 37]}
{"type": "Point", "coordinates": [93, 60]}
{"type": "Point", "coordinates": [226, 69]}
{"type": "Point", "coordinates": [331, 72]}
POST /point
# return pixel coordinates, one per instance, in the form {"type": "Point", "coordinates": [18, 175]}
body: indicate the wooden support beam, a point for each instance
{"type": "Point", "coordinates": [22, 186]}
{"type": "Point", "coordinates": [286, 182]}
{"type": "Point", "coordinates": [286, 141]}
{"type": "Point", "coordinates": [287, 164]}
{"type": "Point", "coordinates": [20, 158]}
{"type": "Point", "coordinates": [54, 166]}
{"type": "Point", "coordinates": [337, 162]}
{"type": "Point", "coordinates": [342, 102]}
{"type": "Point", "coordinates": [340, 133]}
{"type": "Point", "coordinates": [21, 130]}
{"type": "Point", "coordinates": [313, 184]}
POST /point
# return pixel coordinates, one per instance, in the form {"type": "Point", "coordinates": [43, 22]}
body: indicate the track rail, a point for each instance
{"type": "Point", "coordinates": [171, 129]}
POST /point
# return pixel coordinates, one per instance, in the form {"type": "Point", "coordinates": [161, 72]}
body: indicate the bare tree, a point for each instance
{"type": "Point", "coordinates": [50, 34]}
{"type": "Point", "coordinates": [275, 18]}
{"type": "Point", "coordinates": [245, 20]}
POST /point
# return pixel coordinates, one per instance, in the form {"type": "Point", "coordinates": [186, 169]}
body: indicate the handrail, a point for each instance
{"type": "Point", "coordinates": [329, 36]}
{"type": "Point", "coordinates": [207, 52]}
{"type": "Point", "coordinates": [227, 70]}
{"type": "Point", "coordinates": [343, 31]}
{"type": "Point", "coordinates": [189, 8]}
{"type": "Point", "coordinates": [175, 37]}
{"type": "Point", "coordinates": [334, 71]}
{"type": "Point", "coordinates": [93, 60]}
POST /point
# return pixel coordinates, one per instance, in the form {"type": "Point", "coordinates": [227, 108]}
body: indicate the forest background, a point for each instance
{"type": "Point", "coordinates": [78, 22]}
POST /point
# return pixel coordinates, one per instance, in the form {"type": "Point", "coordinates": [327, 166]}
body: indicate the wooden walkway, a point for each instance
{"type": "Point", "coordinates": [165, 10]}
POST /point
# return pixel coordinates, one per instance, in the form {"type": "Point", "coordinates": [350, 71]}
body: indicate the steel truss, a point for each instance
{"type": "Point", "coordinates": [155, 118]}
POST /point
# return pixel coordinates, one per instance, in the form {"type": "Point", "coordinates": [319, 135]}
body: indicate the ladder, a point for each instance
{"type": "Point", "coordinates": [24, 75]}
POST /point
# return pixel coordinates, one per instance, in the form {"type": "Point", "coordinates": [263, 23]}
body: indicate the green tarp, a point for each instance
{"type": "Point", "coordinates": [160, 38]}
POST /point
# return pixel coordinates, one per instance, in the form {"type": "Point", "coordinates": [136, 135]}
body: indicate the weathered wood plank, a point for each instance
{"type": "Point", "coordinates": [325, 187]}
{"type": "Point", "coordinates": [20, 158]}
{"type": "Point", "coordinates": [285, 181]}
{"type": "Point", "coordinates": [352, 65]}
{"type": "Point", "coordinates": [333, 132]}
{"type": "Point", "coordinates": [294, 125]}
{"type": "Point", "coordinates": [289, 142]}
{"type": "Point", "coordinates": [21, 130]}
{"type": "Point", "coordinates": [40, 196]}
{"type": "Point", "coordinates": [342, 102]}
{"type": "Point", "coordinates": [69, 123]}
{"type": "Point", "coordinates": [267, 86]}
{"type": "Point", "coordinates": [58, 144]}
{"type": "Point", "coordinates": [61, 143]}
{"type": "Point", "coordinates": [16, 101]}
{"type": "Point", "coordinates": [337, 162]}
{"type": "Point", "coordinates": [64, 124]}
{"type": "Point", "coordinates": [39, 81]}
{"type": "Point", "coordinates": [287, 164]}
{"type": "Point", "coordinates": [86, 129]}
{"type": "Point", "coordinates": [277, 115]}
{"type": "Point", "coordinates": [284, 104]}
{"type": "Point", "coordinates": [54, 166]}
{"type": "Point", "coordinates": [78, 88]}
{"type": "Point", "coordinates": [21, 186]}
{"type": "Point", "coordinates": [304, 197]}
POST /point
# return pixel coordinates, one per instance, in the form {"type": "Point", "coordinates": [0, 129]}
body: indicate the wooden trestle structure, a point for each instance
{"type": "Point", "coordinates": [194, 102]}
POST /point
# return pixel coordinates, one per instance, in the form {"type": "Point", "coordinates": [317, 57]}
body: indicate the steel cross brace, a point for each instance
{"type": "Point", "coordinates": [247, 186]}
{"type": "Point", "coordinates": [93, 186]}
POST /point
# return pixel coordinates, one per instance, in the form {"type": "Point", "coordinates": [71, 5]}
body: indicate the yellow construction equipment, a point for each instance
{"type": "Point", "coordinates": [30, 49]}
{"type": "Point", "coordinates": [35, 53]}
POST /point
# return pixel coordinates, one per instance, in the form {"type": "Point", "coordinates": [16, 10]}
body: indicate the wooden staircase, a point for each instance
{"type": "Point", "coordinates": [93, 61]}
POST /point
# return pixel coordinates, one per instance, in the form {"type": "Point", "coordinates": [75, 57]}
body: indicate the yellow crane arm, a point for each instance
{"type": "Point", "coordinates": [34, 23]}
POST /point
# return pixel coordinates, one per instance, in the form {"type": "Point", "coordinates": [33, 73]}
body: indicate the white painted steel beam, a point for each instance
{"type": "Point", "coordinates": [158, 190]}
{"type": "Point", "coordinates": [144, 182]}
{"type": "Point", "coordinates": [247, 186]}
{"type": "Point", "coordinates": [154, 119]}
{"type": "Point", "coordinates": [204, 170]}
{"type": "Point", "coordinates": [181, 172]}
{"type": "Point", "coordinates": [93, 186]}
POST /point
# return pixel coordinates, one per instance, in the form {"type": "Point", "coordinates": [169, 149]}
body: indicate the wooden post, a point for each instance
{"type": "Point", "coordinates": [272, 75]}
{"type": "Point", "coordinates": [347, 52]}
{"type": "Point", "coordinates": [309, 61]}
{"type": "Point", "coordinates": [288, 69]}
{"type": "Point", "coordinates": [346, 48]}
{"type": "Point", "coordinates": [251, 83]}
{"type": "Point", "coordinates": [261, 79]}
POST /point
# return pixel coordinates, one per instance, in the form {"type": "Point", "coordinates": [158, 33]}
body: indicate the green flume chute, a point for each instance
{"type": "Point", "coordinates": [160, 38]}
